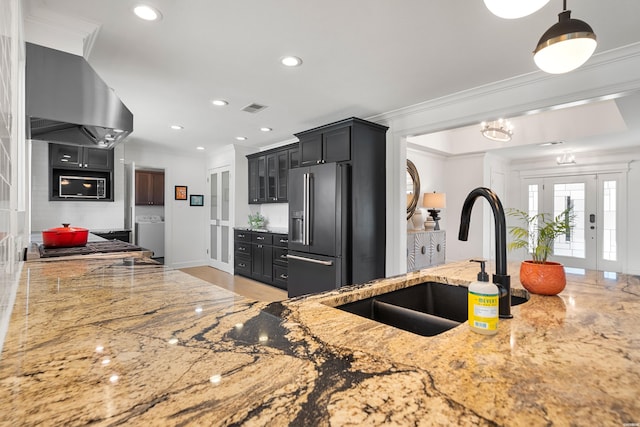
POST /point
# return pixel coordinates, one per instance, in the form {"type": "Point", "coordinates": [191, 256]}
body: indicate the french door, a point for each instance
{"type": "Point", "coordinates": [593, 241]}
{"type": "Point", "coordinates": [219, 219]}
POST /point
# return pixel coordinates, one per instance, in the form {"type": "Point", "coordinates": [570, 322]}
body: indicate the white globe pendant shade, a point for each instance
{"type": "Point", "coordinates": [565, 46]}
{"type": "Point", "coordinates": [512, 9]}
{"type": "Point", "coordinates": [565, 56]}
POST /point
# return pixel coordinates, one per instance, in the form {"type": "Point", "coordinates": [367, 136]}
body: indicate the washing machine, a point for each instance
{"type": "Point", "coordinates": [150, 234]}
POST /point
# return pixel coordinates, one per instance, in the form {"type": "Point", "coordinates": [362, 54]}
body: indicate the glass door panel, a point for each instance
{"type": "Point", "coordinates": [593, 240]}
{"type": "Point", "coordinates": [219, 214]}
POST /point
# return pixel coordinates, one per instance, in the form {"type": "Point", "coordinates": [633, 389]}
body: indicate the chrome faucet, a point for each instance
{"type": "Point", "coordinates": [501, 279]}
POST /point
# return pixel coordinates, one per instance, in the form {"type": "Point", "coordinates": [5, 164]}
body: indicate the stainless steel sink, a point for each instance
{"type": "Point", "coordinates": [426, 309]}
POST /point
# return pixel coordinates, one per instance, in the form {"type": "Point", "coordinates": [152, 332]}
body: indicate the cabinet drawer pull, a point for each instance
{"type": "Point", "coordinates": [241, 236]}
{"type": "Point", "coordinates": [284, 276]}
{"type": "Point", "coordinates": [260, 246]}
{"type": "Point", "coordinates": [259, 238]}
{"type": "Point", "coordinates": [284, 240]}
{"type": "Point", "coordinates": [242, 249]}
{"type": "Point", "coordinates": [423, 250]}
{"type": "Point", "coordinates": [242, 264]}
{"type": "Point", "coordinates": [283, 256]}
{"type": "Point", "coordinates": [438, 247]}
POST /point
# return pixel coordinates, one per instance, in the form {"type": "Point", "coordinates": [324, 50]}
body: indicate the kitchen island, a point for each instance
{"type": "Point", "coordinates": [118, 340]}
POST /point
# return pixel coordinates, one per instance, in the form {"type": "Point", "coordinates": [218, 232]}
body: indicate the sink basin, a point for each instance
{"type": "Point", "coordinates": [426, 309]}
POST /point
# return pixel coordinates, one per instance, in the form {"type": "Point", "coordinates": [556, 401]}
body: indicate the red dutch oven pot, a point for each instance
{"type": "Point", "coordinates": [65, 237]}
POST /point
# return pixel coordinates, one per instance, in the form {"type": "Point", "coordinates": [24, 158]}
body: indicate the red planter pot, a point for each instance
{"type": "Point", "coordinates": [548, 278]}
{"type": "Point", "coordinates": [65, 237]}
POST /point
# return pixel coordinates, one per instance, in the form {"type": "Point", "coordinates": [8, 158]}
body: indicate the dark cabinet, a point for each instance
{"type": "Point", "coordinates": [79, 157]}
{"type": "Point", "coordinates": [258, 179]}
{"type": "Point", "coordinates": [261, 256]}
{"type": "Point", "coordinates": [72, 162]}
{"type": "Point", "coordinates": [294, 157]}
{"type": "Point", "coordinates": [269, 174]}
{"type": "Point", "coordinates": [149, 188]}
{"type": "Point", "coordinates": [242, 253]}
{"type": "Point", "coordinates": [326, 147]}
{"type": "Point", "coordinates": [360, 147]}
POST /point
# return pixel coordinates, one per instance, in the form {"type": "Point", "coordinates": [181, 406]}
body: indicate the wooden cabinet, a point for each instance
{"type": "Point", "coordinates": [326, 147]}
{"type": "Point", "coordinates": [149, 188]}
{"type": "Point", "coordinates": [269, 174]}
{"type": "Point", "coordinates": [79, 157]}
{"type": "Point", "coordinates": [425, 249]}
{"type": "Point", "coordinates": [261, 256]}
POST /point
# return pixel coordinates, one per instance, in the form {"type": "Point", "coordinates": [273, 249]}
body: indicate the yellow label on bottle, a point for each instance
{"type": "Point", "coordinates": [483, 311]}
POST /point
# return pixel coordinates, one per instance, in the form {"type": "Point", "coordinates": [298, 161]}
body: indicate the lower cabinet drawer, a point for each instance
{"type": "Point", "coordinates": [280, 255]}
{"type": "Point", "coordinates": [280, 275]}
{"type": "Point", "coordinates": [242, 248]}
{"type": "Point", "coordinates": [242, 265]}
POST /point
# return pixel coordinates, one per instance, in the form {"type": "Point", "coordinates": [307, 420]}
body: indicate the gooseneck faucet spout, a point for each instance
{"type": "Point", "coordinates": [501, 279]}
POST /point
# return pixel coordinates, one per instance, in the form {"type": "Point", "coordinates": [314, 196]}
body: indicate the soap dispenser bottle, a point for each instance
{"type": "Point", "coordinates": [483, 303]}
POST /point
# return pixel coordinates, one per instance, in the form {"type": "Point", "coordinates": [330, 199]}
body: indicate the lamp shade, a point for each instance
{"type": "Point", "coordinates": [565, 46]}
{"type": "Point", "coordinates": [434, 200]}
{"type": "Point", "coordinates": [512, 9]}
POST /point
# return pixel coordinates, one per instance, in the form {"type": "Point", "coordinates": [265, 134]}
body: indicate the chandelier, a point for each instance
{"type": "Point", "coordinates": [497, 130]}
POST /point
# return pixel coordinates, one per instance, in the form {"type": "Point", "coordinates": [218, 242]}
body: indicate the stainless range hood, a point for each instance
{"type": "Point", "coordinates": [68, 103]}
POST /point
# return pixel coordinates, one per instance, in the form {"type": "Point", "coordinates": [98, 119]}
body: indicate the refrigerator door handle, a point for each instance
{"type": "Point", "coordinates": [315, 261]}
{"type": "Point", "coordinates": [305, 201]}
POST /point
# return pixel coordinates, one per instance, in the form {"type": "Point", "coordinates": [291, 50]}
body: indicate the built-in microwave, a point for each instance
{"type": "Point", "coordinates": [82, 187]}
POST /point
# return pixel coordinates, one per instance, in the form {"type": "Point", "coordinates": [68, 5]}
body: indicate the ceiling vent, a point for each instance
{"type": "Point", "coordinates": [254, 108]}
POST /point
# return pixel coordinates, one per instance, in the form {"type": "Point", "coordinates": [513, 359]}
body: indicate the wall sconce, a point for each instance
{"type": "Point", "coordinates": [433, 202]}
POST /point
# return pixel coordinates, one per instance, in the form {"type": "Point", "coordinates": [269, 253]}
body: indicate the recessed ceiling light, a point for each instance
{"type": "Point", "coordinates": [199, 148]}
{"type": "Point", "coordinates": [147, 13]}
{"type": "Point", "coordinates": [219, 102]}
{"type": "Point", "coordinates": [291, 61]}
{"type": "Point", "coordinates": [241, 138]}
{"type": "Point", "coordinates": [176, 127]}
{"type": "Point", "coordinates": [266, 129]}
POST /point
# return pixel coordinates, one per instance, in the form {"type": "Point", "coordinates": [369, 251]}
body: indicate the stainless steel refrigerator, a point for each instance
{"type": "Point", "coordinates": [318, 237]}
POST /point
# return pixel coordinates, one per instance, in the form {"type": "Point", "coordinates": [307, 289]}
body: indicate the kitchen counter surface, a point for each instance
{"type": "Point", "coordinates": [275, 230]}
{"type": "Point", "coordinates": [106, 341]}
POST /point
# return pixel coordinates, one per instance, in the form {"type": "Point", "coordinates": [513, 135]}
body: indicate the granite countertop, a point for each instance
{"type": "Point", "coordinates": [107, 342]}
{"type": "Point", "coordinates": [275, 230]}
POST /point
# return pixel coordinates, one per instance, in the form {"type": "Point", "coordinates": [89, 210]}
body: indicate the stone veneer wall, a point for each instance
{"type": "Point", "coordinates": [11, 121]}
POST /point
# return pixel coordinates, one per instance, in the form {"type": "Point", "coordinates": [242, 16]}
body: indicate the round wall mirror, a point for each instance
{"type": "Point", "coordinates": [413, 188]}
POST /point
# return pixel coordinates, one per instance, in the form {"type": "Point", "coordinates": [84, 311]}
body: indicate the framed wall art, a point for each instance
{"type": "Point", "coordinates": [197, 200]}
{"type": "Point", "coordinates": [181, 192]}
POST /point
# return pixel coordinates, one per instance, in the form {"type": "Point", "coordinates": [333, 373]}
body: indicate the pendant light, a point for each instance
{"type": "Point", "coordinates": [510, 9]}
{"type": "Point", "coordinates": [566, 45]}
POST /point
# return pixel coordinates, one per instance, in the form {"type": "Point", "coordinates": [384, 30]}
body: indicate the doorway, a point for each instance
{"type": "Point", "coordinates": [219, 218]}
{"type": "Point", "coordinates": [594, 241]}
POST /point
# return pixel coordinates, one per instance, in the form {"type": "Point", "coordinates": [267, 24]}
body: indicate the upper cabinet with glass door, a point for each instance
{"type": "Point", "coordinates": [74, 156]}
{"type": "Point", "coordinates": [269, 174]}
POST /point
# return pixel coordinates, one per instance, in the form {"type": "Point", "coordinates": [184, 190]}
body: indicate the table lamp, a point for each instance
{"type": "Point", "coordinates": [434, 202]}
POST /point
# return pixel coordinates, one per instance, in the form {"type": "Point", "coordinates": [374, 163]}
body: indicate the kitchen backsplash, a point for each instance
{"type": "Point", "coordinates": [277, 214]}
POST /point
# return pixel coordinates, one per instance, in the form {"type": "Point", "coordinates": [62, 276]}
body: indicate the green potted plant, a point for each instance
{"type": "Point", "coordinates": [538, 232]}
{"type": "Point", "coordinates": [256, 220]}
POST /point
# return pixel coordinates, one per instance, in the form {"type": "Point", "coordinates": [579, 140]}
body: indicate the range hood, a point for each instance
{"type": "Point", "coordinates": [68, 103]}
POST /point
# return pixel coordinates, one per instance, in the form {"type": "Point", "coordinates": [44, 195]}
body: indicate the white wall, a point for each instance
{"type": "Point", "coordinates": [186, 227]}
{"type": "Point", "coordinates": [463, 174]}
{"type": "Point", "coordinates": [430, 169]}
{"type": "Point", "coordinates": [88, 214]}
{"type": "Point", "coordinates": [633, 224]}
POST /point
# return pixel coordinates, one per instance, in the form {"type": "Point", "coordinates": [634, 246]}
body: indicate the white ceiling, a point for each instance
{"type": "Point", "coordinates": [361, 58]}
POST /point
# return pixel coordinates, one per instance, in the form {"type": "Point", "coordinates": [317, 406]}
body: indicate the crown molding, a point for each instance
{"type": "Point", "coordinates": [607, 74]}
